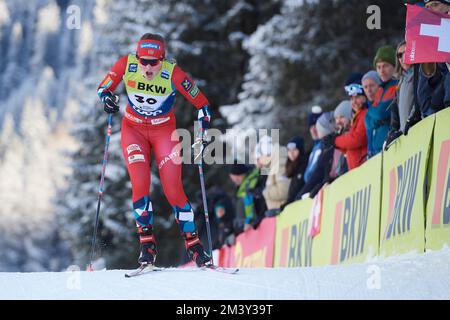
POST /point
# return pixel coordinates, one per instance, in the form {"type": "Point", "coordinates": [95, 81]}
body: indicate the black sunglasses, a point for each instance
{"type": "Point", "coordinates": [400, 55]}
{"type": "Point", "coordinates": [152, 62]}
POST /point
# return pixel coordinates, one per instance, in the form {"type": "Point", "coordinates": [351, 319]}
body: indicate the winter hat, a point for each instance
{"type": "Point", "coordinates": [239, 168]}
{"type": "Point", "coordinates": [372, 74]}
{"type": "Point", "coordinates": [296, 142]}
{"type": "Point", "coordinates": [353, 85]}
{"type": "Point", "coordinates": [385, 54]}
{"type": "Point", "coordinates": [315, 113]}
{"type": "Point", "coordinates": [344, 109]}
{"type": "Point", "coordinates": [355, 77]}
{"type": "Point", "coordinates": [263, 147]}
{"type": "Point", "coordinates": [325, 125]}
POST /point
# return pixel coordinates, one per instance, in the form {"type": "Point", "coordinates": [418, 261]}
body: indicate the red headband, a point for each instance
{"type": "Point", "coordinates": [152, 48]}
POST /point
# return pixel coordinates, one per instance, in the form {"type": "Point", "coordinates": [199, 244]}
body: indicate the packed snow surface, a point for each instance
{"type": "Point", "coordinates": [410, 276]}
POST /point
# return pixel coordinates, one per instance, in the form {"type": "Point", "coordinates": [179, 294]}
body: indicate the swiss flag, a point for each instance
{"type": "Point", "coordinates": [427, 36]}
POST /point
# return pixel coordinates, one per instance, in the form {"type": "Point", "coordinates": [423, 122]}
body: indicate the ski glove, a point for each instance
{"type": "Point", "coordinates": [409, 123]}
{"type": "Point", "coordinates": [111, 102]}
{"type": "Point", "coordinates": [391, 136]}
{"type": "Point", "coordinates": [204, 118]}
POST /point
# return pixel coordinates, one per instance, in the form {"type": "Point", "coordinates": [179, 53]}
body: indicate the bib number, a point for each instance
{"type": "Point", "coordinates": [141, 99]}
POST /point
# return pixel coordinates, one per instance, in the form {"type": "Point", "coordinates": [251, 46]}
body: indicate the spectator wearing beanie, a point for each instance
{"type": "Point", "coordinates": [378, 116]}
{"type": "Point", "coordinates": [354, 142]}
{"type": "Point", "coordinates": [371, 82]}
{"type": "Point", "coordinates": [314, 154]}
{"type": "Point", "coordinates": [295, 167]}
{"type": "Point", "coordinates": [272, 157]}
{"type": "Point", "coordinates": [343, 115]}
{"type": "Point", "coordinates": [325, 126]}
{"type": "Point", "coordinates": [245, 178]}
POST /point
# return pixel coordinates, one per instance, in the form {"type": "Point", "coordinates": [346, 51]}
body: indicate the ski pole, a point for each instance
{"type": "Point", "coordinates": [100, 191]}
{"type": "Point", "coordinates": [202, 184]}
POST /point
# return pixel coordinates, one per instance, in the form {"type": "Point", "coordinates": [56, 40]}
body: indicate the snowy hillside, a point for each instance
{"type": "Point", "coordinates": [411, 276]}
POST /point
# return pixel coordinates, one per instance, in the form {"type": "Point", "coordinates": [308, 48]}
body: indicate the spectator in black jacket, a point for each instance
{"type": "Point", "coordinates": [295, 167]}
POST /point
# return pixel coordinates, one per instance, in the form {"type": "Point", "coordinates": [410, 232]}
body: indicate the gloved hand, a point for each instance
{"type": "Point", "coordinates": [111, 102]}
{"type": "Point", "coordinates": [204, 118]}
{"type": "Point", "coordinates": [409, 123]}
{"type": "Point", "coordinates": [391, 136]}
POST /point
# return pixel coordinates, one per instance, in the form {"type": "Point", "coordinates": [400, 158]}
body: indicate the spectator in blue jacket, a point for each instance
{"type": "Point", "coordinates": [371, 82]}
{"type": "Point", "coordinates": [325, 126]}
{"type": "Point", "coordinates": [378, 116]}
{"type": "Point", "coordinates": [315, 113]}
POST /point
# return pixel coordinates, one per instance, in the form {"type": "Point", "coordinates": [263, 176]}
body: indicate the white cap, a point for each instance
{"type": "Point", "coordinates": [316, 109]}
{"type": "Point", "coordinates": [263, 147]}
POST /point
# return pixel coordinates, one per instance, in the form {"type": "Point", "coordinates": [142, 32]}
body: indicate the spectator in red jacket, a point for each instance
{"type": "Point", "coordinates": [354, 142]}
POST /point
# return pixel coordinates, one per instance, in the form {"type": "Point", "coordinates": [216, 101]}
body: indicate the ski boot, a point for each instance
{"type": "Point", "coordinates": [195, 249]}
{"type": "Point", "coordinates": [148, 246]}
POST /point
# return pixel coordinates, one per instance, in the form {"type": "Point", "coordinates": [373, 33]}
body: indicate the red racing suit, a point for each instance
{"type": "Point", "coordinates": [149, 124]}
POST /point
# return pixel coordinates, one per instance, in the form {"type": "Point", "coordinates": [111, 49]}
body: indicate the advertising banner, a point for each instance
{"type": "Point", "coordinates": [293, 247]}
{"type": "Point", "coordinates": [403, 208]}
{"type": "Point", "coordinates": [351, 217]}
{"type": "Point", "coordinates": [254, 248]}
{"type": "Point", "coordinates": [438, 205]}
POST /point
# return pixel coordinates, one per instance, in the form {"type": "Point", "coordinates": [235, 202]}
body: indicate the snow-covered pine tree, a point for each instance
{"type": "Point", "coordinates": [77, 203]}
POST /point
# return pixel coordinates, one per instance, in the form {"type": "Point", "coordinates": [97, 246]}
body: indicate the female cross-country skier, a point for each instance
{"type": "Point", "coordinates": [151, 82]}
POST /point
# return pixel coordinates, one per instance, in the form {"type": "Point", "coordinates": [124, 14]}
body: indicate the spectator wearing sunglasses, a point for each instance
{"type": "Point", "coordinates": [402, 106]}
{"type": "Point", "coordinates": [378, 116]}
{"type": "Point", "coordinates": [354, 142]}
{"type": "Point", "coordinates": [151, 82]}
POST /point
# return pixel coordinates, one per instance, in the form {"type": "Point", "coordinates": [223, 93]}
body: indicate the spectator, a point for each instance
{"type": "Point", "coordinates": [315, 113]}
{"type": "Point", "coordinates": [402, 106]}
{"type": "Point", "coordinates": [343, 117]}
{"type": "Point", "coordinates": [245, 178]}
{"type": "Point", "coordinates": [257, 191]}
{"type": "Point", "coordinates": [371, 82]}
{"type": "Point", "coordinates": [325, 126]}
{"type": "Point", "coordinates": [354, 142]}
{"type": "Point", "coordinates": [272, 157]}
{"type": "Point", "coordinates": [221, 214]}
{"type": "Point", "coordinates": [295, 167]}
{"type": "Point", "coordinates": [377, 119]}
